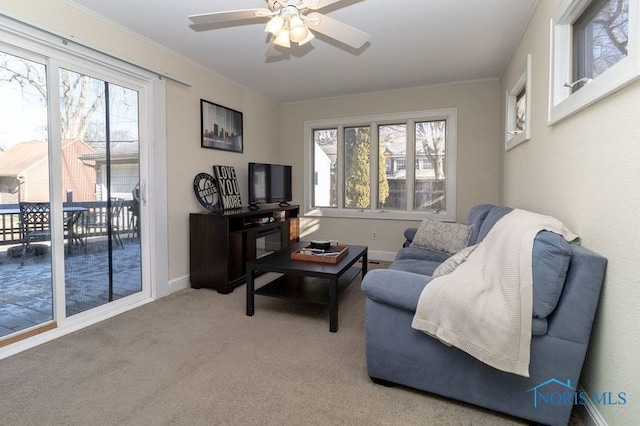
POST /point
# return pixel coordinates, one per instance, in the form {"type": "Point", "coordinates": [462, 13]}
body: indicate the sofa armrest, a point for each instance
{"type": "Point", "coordinates": [396, 288]}
{"type": "Point", "coordinates": [410, 233]}
{"type": "Point", "coordinates": [573, 317]}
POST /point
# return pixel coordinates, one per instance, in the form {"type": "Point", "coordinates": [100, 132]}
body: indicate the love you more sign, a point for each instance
{"type": "Point", "coordinates": [228, 187]}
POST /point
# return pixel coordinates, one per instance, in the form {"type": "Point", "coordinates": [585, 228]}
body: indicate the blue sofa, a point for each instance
{"type": "Point", "coordinates": [567, 280]}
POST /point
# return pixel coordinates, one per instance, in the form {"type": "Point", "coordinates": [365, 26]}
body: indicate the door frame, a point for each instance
{"type": "Point", "coordinates": [19, 37]}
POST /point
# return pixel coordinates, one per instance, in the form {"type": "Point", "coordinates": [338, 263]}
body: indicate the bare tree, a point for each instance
{"type": "Point", "coordinates": [81, 95]}
{"type": "Point", "coordinates": [432, 136]}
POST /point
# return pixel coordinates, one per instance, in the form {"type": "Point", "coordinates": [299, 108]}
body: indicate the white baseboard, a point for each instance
{"type": "Point", "coordinates": [179, 283]}
{"type": "Point", "coordinates": [588, 412]}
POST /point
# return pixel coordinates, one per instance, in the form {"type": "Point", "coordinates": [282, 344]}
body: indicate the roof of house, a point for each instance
{"type": "Point", "coordinates": [22, 156]}
{"type": "Point", "coordinates": [18, 159]}
{"type": "Point", "coordinates": [117, 150]}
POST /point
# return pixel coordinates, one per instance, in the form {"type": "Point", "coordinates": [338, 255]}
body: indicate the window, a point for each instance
{"type": "Point", "coordinates": [392, 190]}
{"type": "Point", "coordinates": [594, 52]}
{"type": "Point", "coordinates": [518, 107]}
{"type": "Point", "coordinates": [601, 36]}
{"type": "Point", "coordinates": [361, 166]}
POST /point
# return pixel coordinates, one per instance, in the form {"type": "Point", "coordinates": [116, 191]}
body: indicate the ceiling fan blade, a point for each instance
{"type": "Point", "coordinates": [318, 4]}
{"type": "Point", "coordinates": [337, 30]}
{"type": "Point", "coordinates": [231, 15]}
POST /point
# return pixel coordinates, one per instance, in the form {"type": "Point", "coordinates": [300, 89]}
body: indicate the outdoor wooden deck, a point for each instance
{"type": "Point", "coordinates": [25, 284]}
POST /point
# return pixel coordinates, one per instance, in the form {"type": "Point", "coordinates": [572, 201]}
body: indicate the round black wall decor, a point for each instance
{"type": "Point", "coordinates": [206, 190]}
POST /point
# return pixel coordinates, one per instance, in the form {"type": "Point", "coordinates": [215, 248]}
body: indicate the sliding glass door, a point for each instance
{"type": "Point", "coordinates": [101, 162]}
{"type": "Point", "coordinates": [70, 190]}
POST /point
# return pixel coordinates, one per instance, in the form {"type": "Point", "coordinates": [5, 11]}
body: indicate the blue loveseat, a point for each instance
{"type": "Point", "coordinates": [567, 280]}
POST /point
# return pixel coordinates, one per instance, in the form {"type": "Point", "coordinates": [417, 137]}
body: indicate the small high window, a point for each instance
{"type": "Point", "coordinates": [594, 52]}
{"type": "Point", "coordinates": [518, 107]}
{"type": "Point", "coordinates": [601, 37]}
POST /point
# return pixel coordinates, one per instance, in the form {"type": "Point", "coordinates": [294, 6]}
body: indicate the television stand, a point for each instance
{"type": "Point", "coordinates": [221, 244]}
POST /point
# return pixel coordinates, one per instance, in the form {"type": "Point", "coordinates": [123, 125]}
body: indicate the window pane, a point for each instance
{"type": "Point", "coordinates": [430, 180]}
{"type": "Point", "coordinates": [392, 187]}
{"type": "Point", "coordinates": [610, 34]}
{"type": "Point", "coordinates": [26, 292]}
{"type": "Point", "coordinates": [521, 110]}
{"type": "Point", "coordinates": [325, 145]}
{"type": "Point", "coordinates": [357, 155]}
{"type": "Point", "coordinates": [602, 34]}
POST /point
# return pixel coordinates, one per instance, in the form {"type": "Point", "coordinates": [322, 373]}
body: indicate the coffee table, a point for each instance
{"type": "Point", "coordinates": [312, 282]}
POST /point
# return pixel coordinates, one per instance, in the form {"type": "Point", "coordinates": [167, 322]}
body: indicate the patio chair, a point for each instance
{"type": "Point", "coordinates": [134, 212]}
{"type": "Point", "coordinates": [116, 217]}
{"type": "Point", "coordinates": [34, 222]}
{"type": "Point", "coordinates": [96, 223]}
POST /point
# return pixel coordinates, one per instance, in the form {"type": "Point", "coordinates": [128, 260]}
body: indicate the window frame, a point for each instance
{"type": "Point", "coordinates": [562, 102]}
{"type": "Point", "coordinates": [373, 212]}
{"type": "Point", "coordinates": [512, 137]}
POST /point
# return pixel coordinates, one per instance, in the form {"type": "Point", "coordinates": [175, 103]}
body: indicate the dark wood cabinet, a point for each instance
{"type": "Point", "coordinates": [221, 244]}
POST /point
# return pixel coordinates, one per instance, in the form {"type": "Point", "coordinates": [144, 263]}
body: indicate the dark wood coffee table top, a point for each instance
{"type": "Point", "coordinates": [281, 262]}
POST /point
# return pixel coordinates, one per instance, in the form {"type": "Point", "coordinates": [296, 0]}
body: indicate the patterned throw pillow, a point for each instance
{"type": "Point", "coordinates": [442, 236]}
{"type": "Point", "coordinates": [449, 265]}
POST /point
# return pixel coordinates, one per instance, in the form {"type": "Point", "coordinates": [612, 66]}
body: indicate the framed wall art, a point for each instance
{"type": "Point", "coordinates": [221, 127]}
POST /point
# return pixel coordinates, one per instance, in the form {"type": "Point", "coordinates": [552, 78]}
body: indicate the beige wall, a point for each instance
{"type": "Point", "coordinates": [185, 157]}
{"type": "Point", "coordinates": [585, 171]}
{"type": "Point", "coordinates": [478, 165]}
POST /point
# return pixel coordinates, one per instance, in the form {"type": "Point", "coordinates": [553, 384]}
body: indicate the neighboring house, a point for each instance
{"type": "Point", "coordinates": [324, 169]}
{"type": "Point", "coordinates": [396, 164]}
{"type": "Point", "coordinates": [125, 168]}
{"type": "Point", "coordinates": [24, 172]}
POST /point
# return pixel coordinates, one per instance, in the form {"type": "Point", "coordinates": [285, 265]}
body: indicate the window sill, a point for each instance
{"type": "Point", "coordinates": [443, 216]}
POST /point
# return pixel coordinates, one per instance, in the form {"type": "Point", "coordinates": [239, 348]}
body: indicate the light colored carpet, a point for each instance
{"type": "Point", "coordinates": [195, 358]}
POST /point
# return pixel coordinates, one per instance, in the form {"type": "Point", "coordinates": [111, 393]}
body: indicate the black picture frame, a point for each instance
{"type": "Point", "coordinates": [220, 127]}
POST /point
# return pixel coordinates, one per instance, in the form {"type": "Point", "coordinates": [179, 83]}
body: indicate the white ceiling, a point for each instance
{"type": "Point", "coordinates": [413, 43]}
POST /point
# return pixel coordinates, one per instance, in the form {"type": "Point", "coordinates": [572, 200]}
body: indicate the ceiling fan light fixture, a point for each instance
{"type": "Point", "coordinates": [275, 25]}
{"type": "Point", "coordinates": [309, 37]}
{"type": "Point", "coordinates": [282, 39]}
{"type": "Point", "coordinates": [298, 30]}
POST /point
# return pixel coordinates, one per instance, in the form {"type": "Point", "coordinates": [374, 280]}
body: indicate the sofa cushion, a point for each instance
{"type": "Point", "coordinates": [539, 326]}
{"type": "Point", "coordinates": [551, 257]}
{"type": "Point", "coordinates": [477, 215]}
{"type": "Point", "coordinates": [419, 253]}
{"type": "Point", "coordinates": [494, 215]}
{"type": "Point", "coordinates": [444, 237]}
{"type": "Point", "coordinates": [422, 267]}
{"type": "Point", "coordinates": [449, 265]}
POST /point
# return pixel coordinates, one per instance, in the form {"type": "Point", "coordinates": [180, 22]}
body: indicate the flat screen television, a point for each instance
{"type": "Point", "coordinates": [269, 183]}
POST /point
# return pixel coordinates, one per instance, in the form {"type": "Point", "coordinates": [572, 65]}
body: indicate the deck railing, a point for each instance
{"type": "Point", "coordinates": [95, 216]}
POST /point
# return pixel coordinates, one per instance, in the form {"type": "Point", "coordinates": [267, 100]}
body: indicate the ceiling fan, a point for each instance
{"type": "Point", "coordinates": [288, 21]}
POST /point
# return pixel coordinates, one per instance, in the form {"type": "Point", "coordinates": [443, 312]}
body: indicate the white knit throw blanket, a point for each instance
{"type": "Point", "coordinates": [484, 307]}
